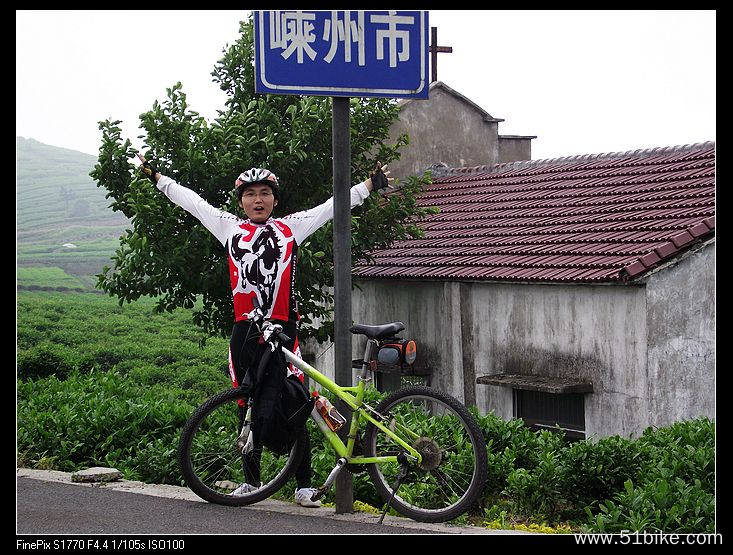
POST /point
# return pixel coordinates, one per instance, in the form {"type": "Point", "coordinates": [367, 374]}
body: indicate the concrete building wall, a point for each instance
{"type": "Point", "coordinates": [469, 329]}
{"type": "Point", "coordinates": [443, 129]}
{"type": "Point", "coordinates": [681, 324]}
{"type": "Point", "coordinates": [512, 149]}
{"type": "Point", "coordinates": [427, 310]}
{"type": "Point", "coordinates": [648, 348]}
{"type": "Point", "coordinates": [594, 333]}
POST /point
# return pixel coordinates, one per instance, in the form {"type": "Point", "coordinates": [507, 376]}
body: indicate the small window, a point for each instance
{"type": "Point", "coordinates": [542, 411]}
{"type": "Point", "coordinates": [388, 382]}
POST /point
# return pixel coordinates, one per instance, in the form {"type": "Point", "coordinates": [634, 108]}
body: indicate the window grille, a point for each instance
{"type": "Point", "coordinates": [541, 411]}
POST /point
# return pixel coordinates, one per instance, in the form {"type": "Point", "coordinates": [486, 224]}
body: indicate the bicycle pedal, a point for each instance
{"type": "Point", "coordinates": [320, 492]}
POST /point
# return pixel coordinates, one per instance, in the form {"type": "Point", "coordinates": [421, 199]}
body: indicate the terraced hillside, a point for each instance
{"type": "Point", "coordinates": [63, 219]}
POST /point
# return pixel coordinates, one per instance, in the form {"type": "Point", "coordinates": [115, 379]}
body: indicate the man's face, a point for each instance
{"type": "Point", "coordinates": [258, 202]}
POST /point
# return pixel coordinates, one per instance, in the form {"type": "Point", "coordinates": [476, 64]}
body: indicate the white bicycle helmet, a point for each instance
{"type": "Point", "coordinates": [256, 175]}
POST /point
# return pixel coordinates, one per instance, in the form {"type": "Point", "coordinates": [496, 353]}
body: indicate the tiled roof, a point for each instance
{"type": "Point", "coordinates": [592, 218]}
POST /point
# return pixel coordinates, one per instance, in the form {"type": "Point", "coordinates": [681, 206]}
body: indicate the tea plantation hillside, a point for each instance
{"type": "Point", "coordinates": [63, 219]}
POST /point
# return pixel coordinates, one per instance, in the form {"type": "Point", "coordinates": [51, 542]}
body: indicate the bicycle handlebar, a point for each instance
{"type": "Point", "coordinates": [267, 328]}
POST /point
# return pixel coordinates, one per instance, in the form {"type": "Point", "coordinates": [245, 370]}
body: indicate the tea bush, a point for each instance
{"type": "Point", "coordinates": [660, 505]}
{"type": "Point", "coordinates": [103, 385]}
{"type": "Point", "coordinates": [674, 490]}
{"type": "Point", "coordinates": [100, 419]}
{"type": "Point", "coordinates": [511, 445]}
{"type": "Point", "coordinates": [663, 480]}
{"type": "Point", "coordinates": [536, 491]}
{"type": "Point", "coordinates": [46, 359]}
{"type": "Point", "coordinates": [593, 471]}
{"type": "Point", "coordinates": [58, 333]}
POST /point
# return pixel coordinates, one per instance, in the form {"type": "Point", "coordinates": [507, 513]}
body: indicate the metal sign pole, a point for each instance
{"type": "Point", "coordinates": [341, 139]}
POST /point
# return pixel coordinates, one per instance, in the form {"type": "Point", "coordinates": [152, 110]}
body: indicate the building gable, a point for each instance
{"type": "Point", "coordinates": [467, 134]}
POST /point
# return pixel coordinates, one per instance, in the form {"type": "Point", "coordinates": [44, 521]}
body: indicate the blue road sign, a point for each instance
{"type": "Point", "coordinates": [342, 53]}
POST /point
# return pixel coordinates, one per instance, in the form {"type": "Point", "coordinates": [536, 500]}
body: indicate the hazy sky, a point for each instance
{"type": "Point", "coordinates": [582, 81]}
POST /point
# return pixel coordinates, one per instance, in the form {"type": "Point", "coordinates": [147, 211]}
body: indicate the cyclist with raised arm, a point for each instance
{"type": "Point", "coordinates": [262, 254]}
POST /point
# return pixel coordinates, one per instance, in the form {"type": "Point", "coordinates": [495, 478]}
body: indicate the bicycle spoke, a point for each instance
{"type": "Point", "coordinates": [445, 479]}
{"type": "Point", "coordinates": [205, 467]}
{"type": "Point", "coordinates": [211, 462]}
{"type": "Point", "coordinates": [445, 482]}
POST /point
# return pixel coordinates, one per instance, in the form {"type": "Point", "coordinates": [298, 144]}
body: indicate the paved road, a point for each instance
{"type": "Point", "coordinates": [48, 502]}
{"type": "Point", "coordinates": [57, 508]}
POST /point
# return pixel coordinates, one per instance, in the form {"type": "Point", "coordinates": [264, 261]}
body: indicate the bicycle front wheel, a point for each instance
{"type": "Point", "coordinates": [212, 462]}
{"type": "Point", "coordinates": [453, 470]}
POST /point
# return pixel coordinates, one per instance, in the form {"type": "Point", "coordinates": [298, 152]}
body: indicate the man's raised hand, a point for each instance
{"type": "Point", "coordinates": [379, 179]}
{"type": "Point", "coordinates": [148, 170]}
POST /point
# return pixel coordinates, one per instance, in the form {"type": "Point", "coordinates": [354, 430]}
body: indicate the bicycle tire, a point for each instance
{"type": "Point", "coordinates": [426, 498]}
{"type": "Point", "coordinates": [210, 474]}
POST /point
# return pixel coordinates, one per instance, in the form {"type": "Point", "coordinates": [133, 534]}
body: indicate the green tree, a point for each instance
{"type": "Point", "coordinates": [168, 254]}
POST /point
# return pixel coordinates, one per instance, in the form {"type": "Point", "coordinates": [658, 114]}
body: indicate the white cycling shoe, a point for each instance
{"type": "Point", "coordinates": [243, 489]}
{"type": "Point", "coordinates": [303, 497]}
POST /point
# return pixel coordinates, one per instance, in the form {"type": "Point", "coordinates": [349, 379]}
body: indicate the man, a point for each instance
{"type": "Point", "coordinates": [262, 253]}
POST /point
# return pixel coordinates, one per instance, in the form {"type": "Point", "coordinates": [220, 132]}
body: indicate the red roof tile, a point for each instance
{"type": "Point", "coordinates": [591, 218]}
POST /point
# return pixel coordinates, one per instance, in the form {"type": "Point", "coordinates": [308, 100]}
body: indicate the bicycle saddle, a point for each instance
{"type": "Point", "coordinates": [377, 332]}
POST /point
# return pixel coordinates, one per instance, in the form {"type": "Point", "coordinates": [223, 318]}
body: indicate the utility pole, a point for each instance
{"type": "Point", "coordinates": [341, 139]}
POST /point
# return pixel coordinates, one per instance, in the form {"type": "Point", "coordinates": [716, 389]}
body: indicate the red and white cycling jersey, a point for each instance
{"type": "Point", "coordinates": [262, 257]}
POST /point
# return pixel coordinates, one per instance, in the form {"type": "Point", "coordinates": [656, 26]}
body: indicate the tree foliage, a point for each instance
{"type": "Point", "coordinates": [169, 255]}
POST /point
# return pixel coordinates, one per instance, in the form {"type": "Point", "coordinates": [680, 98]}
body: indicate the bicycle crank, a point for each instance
{"type": "Point", "coordinates": [320, 492]}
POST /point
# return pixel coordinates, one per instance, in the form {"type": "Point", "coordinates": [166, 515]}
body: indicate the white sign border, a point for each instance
{"type": "Point", "coordinates": [326, 90]}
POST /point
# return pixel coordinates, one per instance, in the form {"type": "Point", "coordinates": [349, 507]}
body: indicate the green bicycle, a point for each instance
{"type": "Point", "coordinates": [422, 448]}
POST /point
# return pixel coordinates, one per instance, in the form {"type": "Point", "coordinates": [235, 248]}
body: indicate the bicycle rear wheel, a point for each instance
{"type": "Point", "coordinates": [454, 466]}
{"type": "Point", "coordinates": [212, 463]}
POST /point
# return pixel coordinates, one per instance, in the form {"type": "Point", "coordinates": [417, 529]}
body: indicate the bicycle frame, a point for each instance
{"type": "Point", "coordinates": [354, 397]}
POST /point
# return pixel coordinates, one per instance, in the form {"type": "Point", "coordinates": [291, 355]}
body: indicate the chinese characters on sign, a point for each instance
{"type": "Point", "coordinates": [342, 53]}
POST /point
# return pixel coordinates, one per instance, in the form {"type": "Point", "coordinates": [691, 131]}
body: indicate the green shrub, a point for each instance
{"type": "Point", "coordinates": [155, 460]}
{"type": "Point", "coordinates": [683, 450]}
{"type": "Point", "coordinates": [659, 505]}
{"type": "Point", "coordinates": [538, 490]}
{"type": "Point", "coordinates": [510, 446]}
{"type": "Point", "coordinates": [91, 332]}
{"type": "Point", "coordinates": [103, 357]}
{"type": "Point", "coordinates": [675, 485]}
{"type": "Point", "coordinates": [592, 471]}
{"type": "Point", "coordinates": [47, 359]}
{"type": "Point", "coordinates": [538, 475]}
{"type": "Point", "coordinates": [98, 419]}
